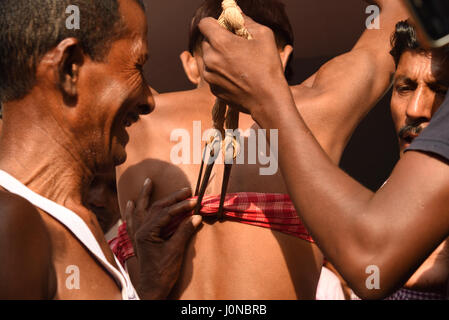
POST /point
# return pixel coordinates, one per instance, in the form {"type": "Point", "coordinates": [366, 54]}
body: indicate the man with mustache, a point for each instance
{"type": "Point", "coordinates": [67, 97]}
{"type": "Point", "coordinates": [420, 84]}
{"type": "Point", "coordinates": [387, 234]}
{"type": "Point", "coordinates": [278, 264]}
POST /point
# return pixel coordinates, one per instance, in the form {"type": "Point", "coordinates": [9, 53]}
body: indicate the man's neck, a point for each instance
{"type": "Point", "coordinates": [44, 159]}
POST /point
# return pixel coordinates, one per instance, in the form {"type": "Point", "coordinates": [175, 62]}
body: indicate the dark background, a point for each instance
{"type": "Point", "coordinates": [323, 29]}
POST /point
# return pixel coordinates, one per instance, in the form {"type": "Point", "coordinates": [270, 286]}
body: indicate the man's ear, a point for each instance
{"type": "Point", "coordinates": [191, 67]}
{"type": "Point", "coordinates": [285, 55]}
{"type": "Point", "coordinates": [67, 58]}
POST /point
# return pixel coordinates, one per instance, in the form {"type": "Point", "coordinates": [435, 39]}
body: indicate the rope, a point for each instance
{"type": "Point", "coordinates": [232, 19]}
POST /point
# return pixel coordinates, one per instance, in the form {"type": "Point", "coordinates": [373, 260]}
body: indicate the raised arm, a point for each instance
{"type": "Point", "coordinates": [393, 230]}
{"type": "Point", "coordinates": [344, 89]}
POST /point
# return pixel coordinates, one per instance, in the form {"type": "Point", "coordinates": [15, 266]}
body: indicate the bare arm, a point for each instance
{"type": "Point", "coordinates": [394, 229]}
{"type": "Point", "coordinates": [25, 252]}
{"type": "Point", "coordinates": [344, 89]}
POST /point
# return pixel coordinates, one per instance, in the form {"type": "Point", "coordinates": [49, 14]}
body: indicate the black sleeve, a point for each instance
{"type": "Point", "coordinates": [435, 138]}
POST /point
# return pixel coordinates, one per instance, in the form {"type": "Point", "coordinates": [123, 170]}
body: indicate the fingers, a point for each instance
{"type": "Point", "coordinates": [211, 59]}
{"type": "Point", "coordinates": [210, 28]}
{"type": "Point", "coordinates": [214, 33]}
{"type": "Point", "coordinates": [174, 198]}
{"type": "Point", "coordinates": [163, 217]}
{"type": "Point", "coordinates": [250, 24]}
{"type": "Point", "coordinates": [144, 196]}
{"type": "Point", "coordinates": [183, 207]}
{"type": "Point", "coordinates": [134, 213]}
{"type": "Point", "coordinates": [258, 31]}
{"type": "Point", "coordinates": [185, 232]}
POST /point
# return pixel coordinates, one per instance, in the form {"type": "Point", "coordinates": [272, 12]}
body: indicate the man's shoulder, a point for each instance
{"type": "Point", "coordinates": [17, 210]}
{"type": "Point", "coordinates": [21, 222]}
{"type": "Point", "coordinates": [25, 251]}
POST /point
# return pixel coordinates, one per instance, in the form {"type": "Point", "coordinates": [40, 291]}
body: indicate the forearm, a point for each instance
{"type": "Point", "coordinates": [329, 202]}
{"type": "Point", "coordinates": [393, 230]}
{"type": "Point", "coordinates": [347, 87]}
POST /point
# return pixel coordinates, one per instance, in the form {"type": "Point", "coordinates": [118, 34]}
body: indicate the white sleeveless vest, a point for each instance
{"type": "Point", "coordinates": [76, 225]}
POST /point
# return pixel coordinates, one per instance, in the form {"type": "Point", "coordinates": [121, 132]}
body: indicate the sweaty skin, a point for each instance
{"type": "Point", "coordinates": [235, 261]}
{"type": "Point", "coordinates": [394, 229]}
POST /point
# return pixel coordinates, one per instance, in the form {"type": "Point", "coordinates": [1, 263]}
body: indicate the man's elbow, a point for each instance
{"type": "Point", "coordinates": [367, 269]}
{"type": "Point", "coordinates": [366, 294]}
{"type": "Point", "coordinates": [371, 280]}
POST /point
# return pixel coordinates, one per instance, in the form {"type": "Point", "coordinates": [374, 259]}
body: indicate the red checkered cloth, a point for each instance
{"type": "Point", "coordinates": [122, 245]}
{"type": "Point", "coordinates": [267, 210]}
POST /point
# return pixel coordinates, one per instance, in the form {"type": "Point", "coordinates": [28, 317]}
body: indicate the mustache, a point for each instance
{"type": "Point", "coordinates": [413, 128]}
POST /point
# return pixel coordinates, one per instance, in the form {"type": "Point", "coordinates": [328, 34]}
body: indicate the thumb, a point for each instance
{"type": "Point", "coordinates": [185, 232]}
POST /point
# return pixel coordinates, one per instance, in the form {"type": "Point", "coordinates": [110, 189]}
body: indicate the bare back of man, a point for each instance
{"type": "Point", "coordinates": [231, 260]}
{"type": "Point", "coordinates": [224, 260]}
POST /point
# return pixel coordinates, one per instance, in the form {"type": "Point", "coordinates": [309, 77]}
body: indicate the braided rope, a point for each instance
{"type": "Point", "coordinates": [232, 19]}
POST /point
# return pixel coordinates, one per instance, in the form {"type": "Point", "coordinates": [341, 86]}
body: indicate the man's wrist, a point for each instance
{"type": "Point", "coordinates": [278, 100]}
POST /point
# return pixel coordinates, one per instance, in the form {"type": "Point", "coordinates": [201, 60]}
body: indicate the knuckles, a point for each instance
{"type": "Point", "coordinates": [157, 206]}
{"type": "Point", "coordinates": [265, 32]}
{"type": "Point", "coordinates": [205, 23]}
{"type": "Point", "coordinates": [142, 237]}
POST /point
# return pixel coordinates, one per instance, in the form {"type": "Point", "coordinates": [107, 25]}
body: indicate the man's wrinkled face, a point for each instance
{"type": "Point", "coordinates": [114, 92]}
{"type": "Point", "coordinates": [420, 86]}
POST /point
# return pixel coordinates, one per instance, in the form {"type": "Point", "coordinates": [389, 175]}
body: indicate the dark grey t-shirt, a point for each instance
{"type": "Point", "coordinates": [435, 138]}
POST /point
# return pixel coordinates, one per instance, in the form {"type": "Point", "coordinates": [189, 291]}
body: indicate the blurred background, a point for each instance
{"type": "Point", "coordinates": [323, 29]}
